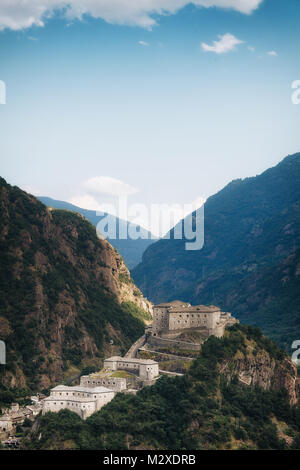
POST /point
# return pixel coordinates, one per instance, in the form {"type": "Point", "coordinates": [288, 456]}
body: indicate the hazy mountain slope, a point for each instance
{"type": "Point", "coordinates": [250, 225]}
{"type": "Point", "coordinates": [66, 297]}
{"type": "Point", "coordinates": [130, 250]}
{"type": "Point", "coordinates": [209, 408]}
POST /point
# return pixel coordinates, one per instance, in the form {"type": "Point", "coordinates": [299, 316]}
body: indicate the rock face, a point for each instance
{"type": "Point", "coordinates": [62, 293]}
{"type": "Point", "coordinates": [264, 371]}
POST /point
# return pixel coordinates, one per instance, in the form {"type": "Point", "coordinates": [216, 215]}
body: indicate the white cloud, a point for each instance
{"type": "Point", "coordinates": [85, 201]}
{"type": "Point", "coordinates": [273, 53]}
{"type": "Point", "coordinates": [16, 14]}
{"type": "Point", "coordinates": [143, 43]}
{"type": "Point", "coordinates": [226, 43]}
{"type": "Point", "coordinates": [32, 190]}
{"type": "Point", "coordinates": [251, 48]}
{"type": "Point", "coordinates": [109, 186]}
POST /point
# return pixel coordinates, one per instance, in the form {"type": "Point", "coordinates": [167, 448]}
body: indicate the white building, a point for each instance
{"type": "Point", "coordinates": [82, 400]}
{"type": "Point", "coordinates": [145, 368]}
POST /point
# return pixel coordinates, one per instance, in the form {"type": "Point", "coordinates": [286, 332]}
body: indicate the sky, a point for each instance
{"type": "Point", "coordinates": [160, 101]}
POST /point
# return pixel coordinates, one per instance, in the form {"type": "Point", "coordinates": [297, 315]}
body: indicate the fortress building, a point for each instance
{"type": "Point", "coordinates": [145, 368]}
{"type": "Point", "coordinates": [176, 316]}
{"type": "Point", "coordinates": [82, 400]}
{"type": "Point", "coordinates": [104, 379]}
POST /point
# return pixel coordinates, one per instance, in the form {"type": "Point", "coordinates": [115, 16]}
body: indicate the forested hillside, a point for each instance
{"type": "Point", "coordinates": [131, 250]}
{"type": "Point", "coordinates": [66, 297]}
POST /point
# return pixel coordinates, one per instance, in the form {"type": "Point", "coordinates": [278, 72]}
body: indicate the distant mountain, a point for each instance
{"type": "Point", "coordinates": [249, 264]}
{"type": "Point", "coordinates": [130, 250]}
{"type": "Point", "coordinates": [66, 297]}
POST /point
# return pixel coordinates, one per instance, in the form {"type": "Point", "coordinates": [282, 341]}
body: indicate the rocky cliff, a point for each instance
{"type": "Point", "coordinates": [66, 297]}
{"type": "Point", "coordinates": [262, 366]}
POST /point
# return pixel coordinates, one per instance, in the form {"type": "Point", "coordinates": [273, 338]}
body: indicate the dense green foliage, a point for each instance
{"type": "Point", "coordinates": [55, 292]}
{"type": "Point", "coordinates": [135, 311]}
{"type": "Point", "coordinates": [13, 395]}
{"type": "Point", "coordinates": [131, 250]}
{"type": "Point", "coordinates": [248, 264]}
{"type": "Point", "coordinates": [200, 410]}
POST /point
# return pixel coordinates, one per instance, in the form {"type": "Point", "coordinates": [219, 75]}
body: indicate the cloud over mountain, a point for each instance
{"type": "Point", "coordinates": [109, 186]}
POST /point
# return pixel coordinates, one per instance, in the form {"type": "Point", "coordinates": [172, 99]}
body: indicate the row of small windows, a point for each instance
{"type": "Point", "coordinates": [101, 382]}
{"type": "Point", "coordinates": [81, 394]}
{"type": "Point", "coordinates": [71, 404]}
{"type": "Point", "coordinates": [121, 364]}
{"type": "Point", "coordinates": [186, 315]}
{"type": "Point", "coordinates": [185, 321]}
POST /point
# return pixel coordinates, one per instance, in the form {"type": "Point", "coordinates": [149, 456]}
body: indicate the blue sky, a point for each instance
{"type": "Point", "coordinates": [155, 107]}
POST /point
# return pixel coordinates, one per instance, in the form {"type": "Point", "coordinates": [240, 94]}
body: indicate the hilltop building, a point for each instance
{"type": "Point", "coordinates": [172, 318]}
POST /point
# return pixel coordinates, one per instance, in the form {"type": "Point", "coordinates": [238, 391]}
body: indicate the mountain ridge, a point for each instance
{"type": "Point", "coordinates": [130, 250]}
{"type": "Point", "coordinates": [250, 225]}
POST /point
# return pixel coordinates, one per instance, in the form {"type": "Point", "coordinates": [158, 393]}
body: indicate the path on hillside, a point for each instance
{"type": "Point", "coordinates": [131, 353]}
{"type": "Point", "coordinates": [174, 374]}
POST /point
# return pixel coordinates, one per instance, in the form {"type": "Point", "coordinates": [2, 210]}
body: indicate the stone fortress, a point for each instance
{"type": "Point", "coordinates": [96, 390]}
{"type": "Point", "coordinates": [129, 374]}
{"type": "Point", "coordinates": [146, 368]}
{"type": "Point", "coordinates": [82, 400]}
{"type": "Point", "coordinates": [170, 319]}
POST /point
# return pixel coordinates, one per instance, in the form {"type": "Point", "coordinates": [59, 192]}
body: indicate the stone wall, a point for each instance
{"type": "Point", "coordinates": [163, 342]}
{"type": "Point", "coordinates": [114, 383]}
{"type": "Point", "coordinates": [179, 320]}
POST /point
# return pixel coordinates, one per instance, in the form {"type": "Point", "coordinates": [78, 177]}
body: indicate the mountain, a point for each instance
{"type": "Point", "coordinates": [66, 297]}
{"type": "Point", "coordinates": [249, 264]}
{"type": "Point", "coordinates": [241, 393]}
{"type": "Point", "coordinates": [130, 250]}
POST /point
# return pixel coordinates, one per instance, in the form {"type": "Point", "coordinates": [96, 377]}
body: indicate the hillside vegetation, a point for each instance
{"type": "Point", "coordinates": [208, 408]}
{"type": "Point", "coordinates": [131, 250]}
{"type": "Point", "coordinates": [66, 297]}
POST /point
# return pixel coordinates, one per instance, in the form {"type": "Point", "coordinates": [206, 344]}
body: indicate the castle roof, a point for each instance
{"type": "Point", "coordinates": [174, 303]}
{"type": "Point", "coordinates": [131, 360]}
{"type": "Point", "coordinates": [78, 388]}
{"type": "Point", "coordinates": [177, 306]}
{"type": "Point", "coordinates": [195, 309]}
